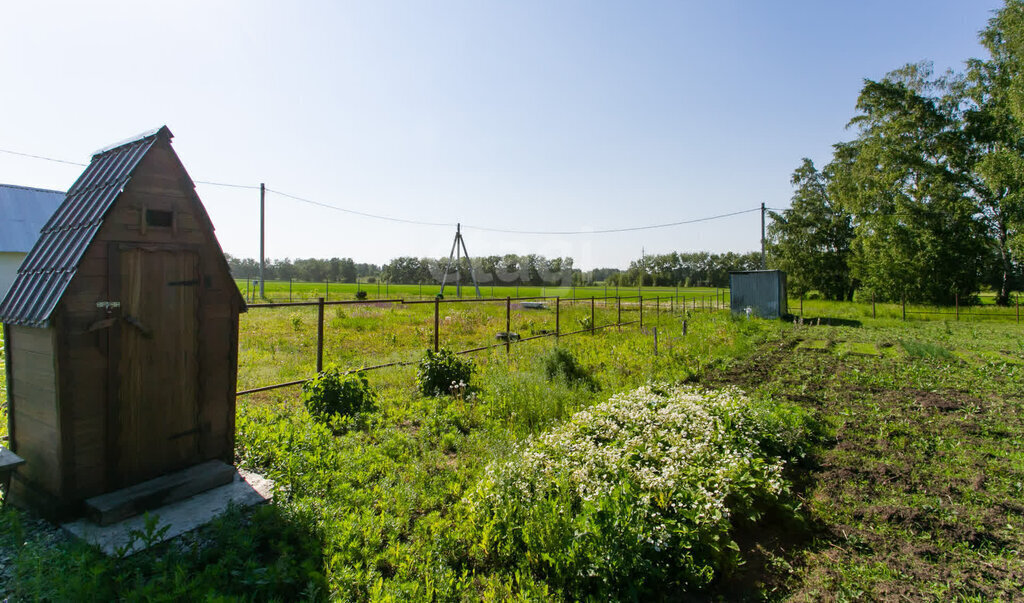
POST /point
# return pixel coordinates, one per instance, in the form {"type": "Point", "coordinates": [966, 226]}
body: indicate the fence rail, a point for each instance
{"type": "Point", "coordinates": [629, 310]}
{"type": "Point", "coordinates": [1009, 313]}
{"type": "Point", "coordinates": [634, 303]}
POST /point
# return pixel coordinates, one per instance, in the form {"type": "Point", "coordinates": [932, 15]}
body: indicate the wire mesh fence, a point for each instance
{"type": "Point", "coordinates": [285, 344]}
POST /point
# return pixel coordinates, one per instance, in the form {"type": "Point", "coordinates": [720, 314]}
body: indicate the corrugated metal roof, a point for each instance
{"type": "Point", "coordinates": [23, 212]}
{"type": "Point", "coordinates": [53, 260]}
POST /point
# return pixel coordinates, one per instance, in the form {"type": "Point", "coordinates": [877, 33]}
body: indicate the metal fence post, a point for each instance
{"type": "Point", "coordinates": [873, 305]}
{"type": "Point", "coordinates": [327, 285]}
{"type": "Point", "coordinates": [618, 305]}
{"type": "Point", "coordinates": [641, 311]}
{"type": "Point", "coordinates": [289, 290]}
{"type": "Point", "coordinates": [508, 325]}
{"type": "Point", "coordinates": [593, 318]}
{"type": "Point", "coordinates": [320, 335]}
{"type": "Point", "coordinates": [437, 323]}
{"type": "Point", "coordinates": [655, 341]}
{"type": "Point", "coordinates": [558, 312]}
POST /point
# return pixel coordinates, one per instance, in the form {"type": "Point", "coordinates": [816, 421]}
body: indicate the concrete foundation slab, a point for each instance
{"type": "Point", "coordinates": [246, 489]}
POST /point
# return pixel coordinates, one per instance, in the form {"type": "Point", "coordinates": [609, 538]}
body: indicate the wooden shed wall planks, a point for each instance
{"type": "Point", "coordinates": [34, 412]}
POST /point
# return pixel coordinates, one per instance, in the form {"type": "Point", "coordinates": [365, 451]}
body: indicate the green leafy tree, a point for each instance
{"type": "Point", "coordinates": [993, 117]}
{"type": "Point", "coordinates": [811, 241]}
{"type": "Point", "coordinates": [916, 232]}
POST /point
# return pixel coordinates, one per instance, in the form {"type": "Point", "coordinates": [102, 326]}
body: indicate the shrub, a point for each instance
{"type": "Point", "coordinates": [360, 294]}
{"type": "Point", "coordinates": [333, 392]}
{"type": "Point", "coordinates": [637, 496]}
{"type": "Point", "coordinates": [439, 371]}
{"type": "Point", "coordinates": [560, 363]}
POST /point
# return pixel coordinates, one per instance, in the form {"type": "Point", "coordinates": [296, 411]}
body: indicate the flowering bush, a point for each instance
{"type": "Point", "coordinates": [637, 493]}
{"type": "Point", "coordinates": [440, 371]}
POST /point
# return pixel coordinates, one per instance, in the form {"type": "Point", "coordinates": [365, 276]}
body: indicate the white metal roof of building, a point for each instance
{"type": "Point", "coordinates": [23, 213]}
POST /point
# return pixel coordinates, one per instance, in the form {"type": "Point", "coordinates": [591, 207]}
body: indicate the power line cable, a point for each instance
{"type": "Point", "coordinates": [514, 231]}
{"type": "Point", "coordinates": [43, 158]}
{"type": "Point", "coordinates": [359, 213]}
{"type": "Point", "coordinates": [425, 223]}
{"type": "Point", "coordinates": [613, 230]}
{"type": "Point", "coordinates": [245, 186]}
{"type": "Point", "coordinates": [55, 160]}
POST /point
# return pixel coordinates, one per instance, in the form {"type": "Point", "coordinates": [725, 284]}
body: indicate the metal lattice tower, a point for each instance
{"type": "Point", "coordinates": [458, 250]}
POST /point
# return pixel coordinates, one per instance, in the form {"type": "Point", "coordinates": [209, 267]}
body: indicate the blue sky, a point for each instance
{"type": "Point", "coordinates": [515, 115]}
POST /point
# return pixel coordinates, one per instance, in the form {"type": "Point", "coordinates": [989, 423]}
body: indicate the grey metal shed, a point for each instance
{"type": "Point", "coordinates": [763, 291]}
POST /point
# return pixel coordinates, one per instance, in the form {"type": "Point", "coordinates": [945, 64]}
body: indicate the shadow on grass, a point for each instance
{"type": "Point", "coordinates": [266, 553]}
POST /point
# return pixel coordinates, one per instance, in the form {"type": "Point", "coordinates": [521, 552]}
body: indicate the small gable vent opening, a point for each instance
{"type": "Point", "coordinates": [158, 218]}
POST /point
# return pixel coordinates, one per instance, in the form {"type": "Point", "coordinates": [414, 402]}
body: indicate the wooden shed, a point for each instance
{"type": "Point", "coordinates": [122, 334]}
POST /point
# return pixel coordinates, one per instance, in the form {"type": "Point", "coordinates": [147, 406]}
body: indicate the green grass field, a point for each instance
{"type": "Point", "coordinates": [899, 442]}
{"type": "Point", "coordinates": [278, 344]}
{"type": "Point", "coordinates": [283, 291]}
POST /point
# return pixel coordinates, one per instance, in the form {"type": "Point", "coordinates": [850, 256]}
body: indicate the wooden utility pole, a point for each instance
{"type": "Point", "coordinates": [263, 198]}
{"type": "Point", "coordinates": [764, 264]}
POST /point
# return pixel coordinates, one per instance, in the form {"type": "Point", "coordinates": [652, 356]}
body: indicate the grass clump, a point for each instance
{"type": "Point", "coordinates": [637, 496]}
{"type": "Point", "coordinates": [336, 393]}
{"type": "Point", "coordinates": [924, 349]}
{"type": "Point", "coordinates": [441, 371]}
{"type": "Point", "coordinates": [559, 363]}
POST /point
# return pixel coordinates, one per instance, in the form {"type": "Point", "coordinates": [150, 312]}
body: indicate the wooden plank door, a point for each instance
{"type": "Point", "coordinates": [156, 421]}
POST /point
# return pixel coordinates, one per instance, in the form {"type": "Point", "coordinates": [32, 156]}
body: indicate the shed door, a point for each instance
{"type": "Point", "coordinates": [157, 416]}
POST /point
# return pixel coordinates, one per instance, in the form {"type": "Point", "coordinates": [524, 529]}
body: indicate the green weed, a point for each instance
{"type": "Point", "coordinates": [924, 349]}
{"type": "Point", "coordinates": [333, 393]}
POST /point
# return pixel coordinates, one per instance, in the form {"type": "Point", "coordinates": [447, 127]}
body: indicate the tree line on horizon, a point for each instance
{"type": "Point", "coordinates": [662, 270]}
{"type": "Point", "coordinates": [925, 203]}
